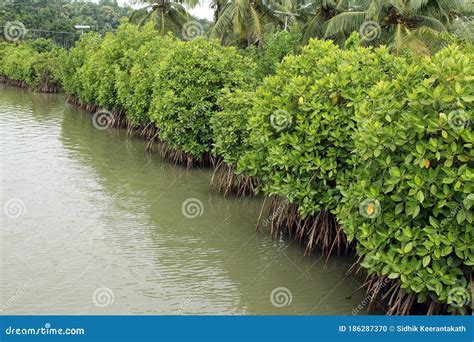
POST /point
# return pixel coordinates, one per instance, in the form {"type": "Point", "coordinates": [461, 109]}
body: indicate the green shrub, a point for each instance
{"type": "Point", "coordinates": [43, 69]}
{"type": "Point", "coordinates": [303, 118]}
{"type": "Point", "coordinates": [410, 208]}
{"type": "Point", "coordinates": [229, 125]}
{"type": "Point", "coordinates": [3, 51]}
{"type": "Point", "coordinates": [99, 72]}
{"type": "Point", "coordinates": [91, 68]}
{"type": "Point", "coordinates": [43, 45]}
{"type": "Point", "coordinates": [188, 85]}
{"type": "Point", "coordinates": [135, 84]}
{"type": "Point", "coordinates": [277, 45]}
{"type": "Point", "coordinates": [16, 62]}
{"type": "Point", "coordinates": [72, 62]}
{"type": "Point", "coordinates": [25, 64]}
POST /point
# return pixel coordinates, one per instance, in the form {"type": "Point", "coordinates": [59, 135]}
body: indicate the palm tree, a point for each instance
{"type": "Point", "coordinates": [168, 15]}
{"type": "Point", "coordinates": [463, 27]}
{"type": "Point", "coordinates": [315, 16]}
{"type": "Point", "coordinates": [245, 19]}
{"type": "Point", "coordinates": [288, 12]}
{"type": "Point", "coordinates": [217, 6]}
{"type": "Point", "coordinates": [415, 24]}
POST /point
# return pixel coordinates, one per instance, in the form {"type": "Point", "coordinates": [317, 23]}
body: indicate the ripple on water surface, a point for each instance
{"type": "Point", "coordinates": [101, 230]}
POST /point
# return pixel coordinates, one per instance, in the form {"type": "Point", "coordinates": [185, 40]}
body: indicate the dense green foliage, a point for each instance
{"type": "Point", "coordinates": [381, 141]}
{"type": "Point", "coordinates": [411, 24]}
{"type": "Point", "coordinates": [229, 125]}
{"type": "Point", "coordinates": [303, 118]}
{"type": "Point", "coordinates": [277, 45]}
{"type": "Point", "coordinates": [420, 26]}
{"type": "Point", "coordinates": [158, 80]}
{"type": "Point", "coordinates": [170, 16]}
{"type": "Point", "coordinates": [35, 64]}
{"type": "Point", "coordinates": [417, 171]}
{"type": "Point", "coordinates": [73, 61]}
{"type": "Point", "coordinates": [55, 19]}
{"type": "Point", "coordinates": [424, 27]}
{"type": "Point", "coordinates": [99, 72]}
{"type": "Point", "coordinates": [135, 82]}
{"type": "Point", "coordinates": [187, 88]}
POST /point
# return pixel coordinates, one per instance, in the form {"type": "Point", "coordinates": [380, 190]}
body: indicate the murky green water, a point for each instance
{"type": "Point", "coordinates": [92, 224]}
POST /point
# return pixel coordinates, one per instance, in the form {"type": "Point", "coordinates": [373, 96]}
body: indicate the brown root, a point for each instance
{"type": "Point", "coordinates": [181, 158]}
{"type": "Point", "coordinates": [45, 87]}
{"type": "Point", "coordinates": [321, 232]}
{"type": "Point", "coordinates": [228, 182]}
{"type": "Point", "coordinates": [148, 132]}
{"type": "Point", "coordinates": [387, 295]}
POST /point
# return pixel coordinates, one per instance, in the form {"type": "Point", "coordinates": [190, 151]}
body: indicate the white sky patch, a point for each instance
{"type": "Point", "coordinates": [201, 11]}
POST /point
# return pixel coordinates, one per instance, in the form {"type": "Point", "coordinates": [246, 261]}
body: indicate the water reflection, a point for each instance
{"type": "Point", "coordinates": [103, 213]}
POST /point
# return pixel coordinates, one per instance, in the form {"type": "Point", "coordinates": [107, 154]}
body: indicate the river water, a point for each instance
{"type": "Point", "coordinates": [93, 224]}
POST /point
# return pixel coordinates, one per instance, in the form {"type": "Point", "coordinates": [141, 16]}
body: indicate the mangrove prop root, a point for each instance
{"type": "Point", "coordinates": [149, 132]}
{"type": "Point", "coordinates": [46, 86]}
{"type": "Point", "coordinates": [323, 232]}
{"type": "Point", "coordinates": [320, 232]}
{"type": "Point", "coordinates": [225, 179]}
{"type": "Point", "coordinates": [181, 158]}
{"type": "Point", "coordinates": [388, 295]}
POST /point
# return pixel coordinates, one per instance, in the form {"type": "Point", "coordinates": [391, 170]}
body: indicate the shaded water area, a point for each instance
{"type": "Point", "coordinates": [99, 229]}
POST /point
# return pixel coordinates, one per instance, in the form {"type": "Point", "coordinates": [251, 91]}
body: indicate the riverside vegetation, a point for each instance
{"type": "Point", "coordinates": [361, 151]}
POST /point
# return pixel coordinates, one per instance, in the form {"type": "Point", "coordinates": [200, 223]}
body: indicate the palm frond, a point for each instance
{"type": "Point", "coordinates": [345, 23]}
{"type": "Point", "coordinates": [430, 22]}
